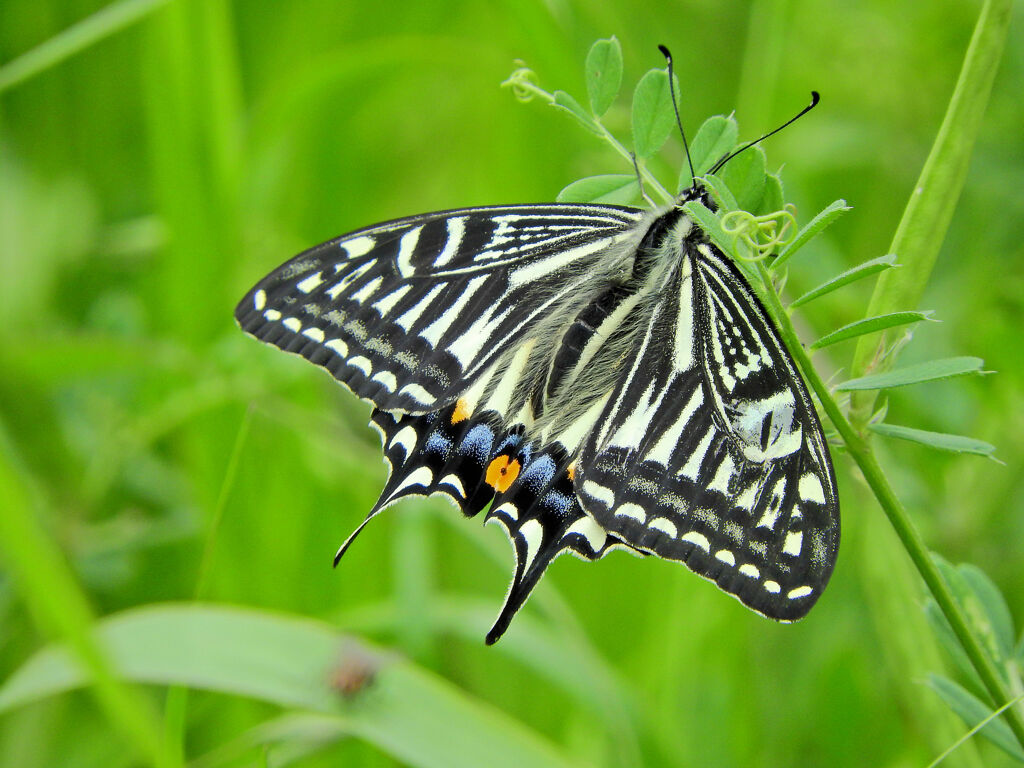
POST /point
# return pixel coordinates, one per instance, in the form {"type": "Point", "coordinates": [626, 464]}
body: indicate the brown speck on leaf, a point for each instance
{"type": "Point", "coordinates": [355, 670]}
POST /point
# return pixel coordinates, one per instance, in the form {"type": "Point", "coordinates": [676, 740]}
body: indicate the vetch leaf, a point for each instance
{"type": "Point", "coordinates": [604, 74]}
{"type": "Point", "coordinates": [933, 370]}
{"type": "Point", "coordinates": [813, 227]}
{"type": "Point", "coordinates": [772, 199]}
{"type": "Point", "coordinates": [653, 115]}
{"type": "Point", "coordinates": [295, 663]}
{"type": "Point", "coordinates": [721, 193]}
{"type": "Point", "coordinates": [940, 440]}
{"type": "Point", "coordinates": [566, 102]}
{"type": "Point", "coordinates": [972, 711]}
{"type": "Point", "coordinates": [745, 174]}
{"type": "Point", "coordinates": [613, 188]}
{"type": "Point", "coordinates": [871, 325]}
{"type": "Point", "coordinates": [852, 275]}
{"type": "Point", "coordinates": [714, 140]}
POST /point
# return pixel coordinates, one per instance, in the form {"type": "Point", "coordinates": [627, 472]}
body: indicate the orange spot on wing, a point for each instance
{"type": "Point", "coordinates": [501, 473]}
{"type": "Point", "coordinates": [571, 471]}
{"type": "Point", "coordinates": [461, 412]}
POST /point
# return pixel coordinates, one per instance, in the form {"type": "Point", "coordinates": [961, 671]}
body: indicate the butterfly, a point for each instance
{"type": "Point", "coordinates": [595, 377]}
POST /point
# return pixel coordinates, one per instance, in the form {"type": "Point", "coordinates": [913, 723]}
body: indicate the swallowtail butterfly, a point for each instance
{"type": "Point", "coordinates": [594, 376]}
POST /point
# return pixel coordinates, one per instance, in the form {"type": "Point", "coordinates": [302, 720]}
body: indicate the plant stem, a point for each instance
{"type": "Point", "coordinates": [862, 453]}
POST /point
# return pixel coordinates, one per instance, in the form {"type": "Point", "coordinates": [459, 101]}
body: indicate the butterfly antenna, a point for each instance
{"type": "Point", "coordinates": [640, 180]}
{"type": "Point", "coordinates": [675, 105]}
{"type": "Point", "coordinates": [814, 102]}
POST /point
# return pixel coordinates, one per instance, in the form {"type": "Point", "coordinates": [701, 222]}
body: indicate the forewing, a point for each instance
{"type": "Point", "coordinates": [408, 313]}
{"type": "Point", "coordinates": [709, 450]}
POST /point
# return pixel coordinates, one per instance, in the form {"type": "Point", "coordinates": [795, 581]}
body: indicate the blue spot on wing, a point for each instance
{"type": "Point", "coordinates": [477, 443]}
{"type": "Point", "coordinates": [539, 473]}
{"type": "Point", "coordinates": [437, 444]}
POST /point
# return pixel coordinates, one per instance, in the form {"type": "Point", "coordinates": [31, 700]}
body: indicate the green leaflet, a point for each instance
{"type": "Point", "coordinates": [932, 370]}
{"type": "Point", "coordinates": [868, 268]}
{"type": "Point", "coordinates": [870, 325]}
{"type": "Point", "coordinates": [604, 74]}
{"type": "Point", "coordinates": [714, 140]}
{"type": "Point", "coordinates": [813, 227]}
{"type": "Point", "coordinates": [564, 101]}
{"type": "Point", "coordinates": [653, 115]}
{"type": "Point", "coordinates": [939, 440]}
{"type": "Point", "coordinates": [614, 188]}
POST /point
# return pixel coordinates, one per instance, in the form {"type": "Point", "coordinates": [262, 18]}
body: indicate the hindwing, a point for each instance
{"type": "Point", "coordinates": [476, 462]}
{"type": "Point", "coordinates": [408, 314]}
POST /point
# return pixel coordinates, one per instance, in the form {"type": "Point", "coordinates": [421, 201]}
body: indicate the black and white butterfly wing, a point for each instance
{"type": "Point", "coordinates": [407, 314]}
{"type": "Point", "coordinates": [709, 450]}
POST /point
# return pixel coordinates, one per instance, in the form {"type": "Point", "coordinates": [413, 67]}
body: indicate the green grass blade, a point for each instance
{"type": "Point", "coordinates": [932, 370]}
{"type": "Point", "coordinates": [870, 325]}
{"type": "Point", "coordinates": [852, 275]}
{"type": "Point", "coordinates": [940, 440]}
{"type": "Point", "coordinates": [963, 739]}
{"type": "Point", "coordinates": [293, 663]}
{"type": "Point", "coordinates": [604, 74]}
{"type": "Point", "coordinates": [76, 38]}
{"type": "Point", "coordinates": [813, 227]}
{"type": "Point", "coordinates": [930, 207]}
{"type": "Point", "coordinates": [973, 711]}
{"type": "Point", "coordinates": [62, 610]}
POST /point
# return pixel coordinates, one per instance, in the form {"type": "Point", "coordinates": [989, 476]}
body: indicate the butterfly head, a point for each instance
{"type": "Point", "coordinates": [696, 191]}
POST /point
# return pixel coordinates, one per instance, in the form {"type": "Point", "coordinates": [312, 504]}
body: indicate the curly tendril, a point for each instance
{"type": "Point", "coordinates": [523, 82]}
{"type": "Point", "coordinates": [761, 234]}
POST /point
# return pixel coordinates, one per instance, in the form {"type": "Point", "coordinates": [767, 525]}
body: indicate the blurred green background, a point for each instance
{"type": "Point", "coordinates": [148, 180]}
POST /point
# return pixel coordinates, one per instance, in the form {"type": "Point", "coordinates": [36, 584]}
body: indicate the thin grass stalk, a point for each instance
{"type": "Point", "coordinates": [62, 610]}
{"type": "Point", "coordinates": [929, 210]}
